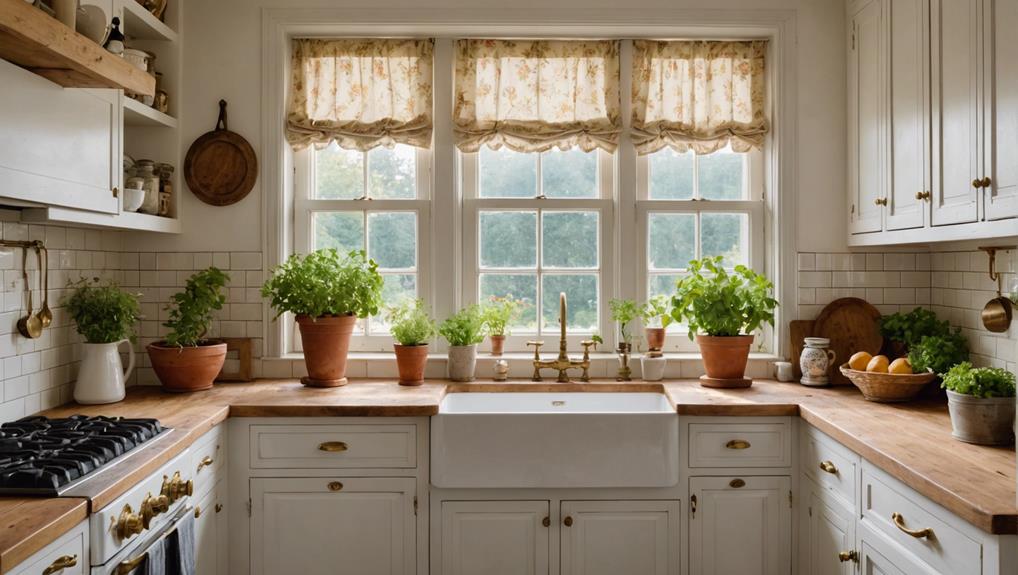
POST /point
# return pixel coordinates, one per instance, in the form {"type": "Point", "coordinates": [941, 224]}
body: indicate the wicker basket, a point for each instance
{"type": "Point", "coordinates": [887, 387]}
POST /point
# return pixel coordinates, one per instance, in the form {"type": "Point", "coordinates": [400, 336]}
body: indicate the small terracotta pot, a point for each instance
{"type": "Point", "coordinates": [183, 369]}
{"type": "Point", "coordinates": [410, 361]}
{"type": "Point", "coordinates": [326, 342]}
{"type": "Point", "coordinates": [725, 357]}
{"type": "Point", "coordinates": [655, 337]}
{"type": "Point", "coordinates": [497, 343]}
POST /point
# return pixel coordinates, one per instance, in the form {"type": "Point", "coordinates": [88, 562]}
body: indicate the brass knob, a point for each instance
{"type": "Point", "coordinates": [152, 506]}
{"type": "Point", "coordinates": [738, 444]}
{"type": "Point", "coordinates": [923, 196]}
{"type": "Point", "coordinates": [129, 523]}
{"type": "Point", "coordinates": [335, 486]}
{"type": "Point", "coordinates": [116, 192]}
{"type": "Point", "coordinates": [197, 511]}
{"type": "Point", "coordinates": [176, 487]}
{"type": "Point", "coordinates": [737, 483]}
{"type": "Point", "coordinates": [60, 563]}
{"type": "Point", "coordinates": [880, 201]}
{"type": "Point", "coordinates": [848, 556]}
{"type": "Point", "coordinates": [977, 183]}
{"type": "Point", "coordinates": [332, 446]}
{"type": "Point", "coordinates": [546, 521]}
{"type": "Point", "coordinates": [829, 467]}
{"type": "Point", "coordinates": [985, 182]}
{"type": "Point", "coordinates": [205, 462]}
{"type": "Point", "coordinates": [219, 507]}
{"type": "Point", "coordinates": [568, 521]}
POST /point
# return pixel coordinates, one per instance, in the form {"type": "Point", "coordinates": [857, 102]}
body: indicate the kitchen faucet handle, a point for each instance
{"type": "Point", "coordinates": [537, 347]}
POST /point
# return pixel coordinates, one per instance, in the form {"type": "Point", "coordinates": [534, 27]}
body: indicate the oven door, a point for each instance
{"type": "Point", "coordinates": [131, 559]}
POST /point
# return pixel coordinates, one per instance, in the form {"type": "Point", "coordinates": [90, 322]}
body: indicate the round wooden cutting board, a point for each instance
{"type": "Point", "coordinates": [852, 325]}
{"type": "Point", "coordinates": [221, 166]}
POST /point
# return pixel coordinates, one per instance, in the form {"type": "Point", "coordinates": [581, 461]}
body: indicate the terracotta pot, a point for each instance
{"type": "Point", "coordinates": [497, 343]}
{"type": "Point", "coordinates": [326, 342]}
{"type": "Point", "coordinates": [655, 337]}
{"type": "Point", "coordinates": [725, 357]}
{"type": "Point", "coordinates": [410, 361]}
{"type": "Point", "coordinates": [183, 369]}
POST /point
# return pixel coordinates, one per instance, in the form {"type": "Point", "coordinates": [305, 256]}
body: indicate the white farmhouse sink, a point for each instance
{"type": "Point", "coordinates": [553, 440]}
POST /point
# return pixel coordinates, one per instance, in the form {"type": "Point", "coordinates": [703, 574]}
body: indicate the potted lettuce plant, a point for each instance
{"type": "Point", "coordinates": [656, 319]}
{"type": "Point", "coordinates": [981, 403]}
{"type": "Point", "coordinates": [722, 310]}
{"type": "Point", "coordinates": [327, 291]}
{"type": "Point", "coordinates": [498, 314]}
{"type": "Point", "coordinates": [412, 328]}
{"type": "Point", "coordinates": [463, 330]}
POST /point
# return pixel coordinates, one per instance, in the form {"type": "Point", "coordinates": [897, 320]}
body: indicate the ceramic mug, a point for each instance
{"type": "Point", "coordinates": [784, 371]}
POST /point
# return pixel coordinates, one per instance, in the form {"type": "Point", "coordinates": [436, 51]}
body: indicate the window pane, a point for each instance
{"type": "Point", "coordinates": [392, 239]}
{"type": "Point", "coordinates": [720, 176]}
{"type": "Point", "coordinates": [671, 240]}
{"type": "Point", "coordinates": [569, 239]}
{"type": "Point", "coordinates": [392, 174]}
{"type": "Point", "coordinates": [341, 230]}
{"type": "Point", "coordinates": [339, 173]}
{"type": "Point", "coordinates": [581, 297]}
{"type": "Point", "coordinates": [522, 287]}
{"type": "Point", "coordinates": [571, 174]}
{"type": "Point", "coordinates": [507, 174]}
{"type": "Point", "coordinates": [662, 284]}
{"type": "Point", "coordinates": [671, 175]}
{"type": "Point", "coordinates": [397, 288]}
{"type": "Point", "coordinates": [725, 235]}
{"type": "Point", "coordinates": [508, 239]}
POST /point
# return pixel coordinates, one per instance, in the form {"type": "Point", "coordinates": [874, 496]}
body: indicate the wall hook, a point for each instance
{"type": "Point", "coordinates": [992, 252]}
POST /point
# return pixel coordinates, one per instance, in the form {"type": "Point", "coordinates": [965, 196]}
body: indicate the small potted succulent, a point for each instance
{"type": "Point", "coordinates": [105, 316]}
{"type": "Point", "coordinates": [624, 312]}
{"type": "Point", "coordinates": [412, 328]}
{"type": "Point", "coordinates": [722, 310]}
{"type": "Point", "coordinates": [463, 330]}
{"type": "Point", "coordinates": [656, 319]}
{"type": "Point", "coordinates": [498, 314]}
{"type": "Point", "coordinates": [327, 291]}
{"type": "Point", "coordinates": [185, 360]}
{"type": "Point", "coordinates": [981, 403]}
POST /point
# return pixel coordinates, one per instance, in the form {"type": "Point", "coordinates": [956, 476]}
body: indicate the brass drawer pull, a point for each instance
{"type": "Point", "coordinates": [736, 483]}
{"type": "Point", "coordinates": [332, 446]}
{"type": "Point", "coordinates": [852, 556]}
{"type": "Point", "coordinates": [737, 444]}
{"type": "Point", "coordinates": [335, 486]}
{"type": "Point", "coordinates": [61, 563]}
{"type": "Point", "coordinates": [568, 521]}
{"type": "Point", "coordinates": [829, 467]}
{"type": "Point", "coordinates": [205, 462]}
{"type": "Point", "coordinates": [899, 522]}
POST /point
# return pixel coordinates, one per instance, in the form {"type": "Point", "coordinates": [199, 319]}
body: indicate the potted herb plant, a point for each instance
{"type": "Point", "coordinates": [981, 403]}
{"type": "Point", "coordinates": [186, 360]}
{"type": "Point", "coordinates": [463, 330]}
{"type": "Point", "coordinates": [327, 291]}
{"type": "Point", "coordinates": [498, 314]}
{"type": "Point", "coordinates": [105, 316]}
{"type": "Point", "coordinates": [722, 310]}
{"type": "Point", "coordinates": [412, 327]}
{"type": "Point", "coordinates": [624, 311]}
{"type": "Point", "coordinates": [656, 319]}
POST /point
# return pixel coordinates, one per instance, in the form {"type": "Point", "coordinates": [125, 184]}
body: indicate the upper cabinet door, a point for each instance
{"type": "Point", "coordinates": [956, 55]}
{"type": "Point", "coordinates": [1000, 20]}
{"type": "Point", "coordinates": [907, 43]}
{"type": "Point", "coordinates": [866, 119]}
{"type": "Point", "coordinates": [613, 537]}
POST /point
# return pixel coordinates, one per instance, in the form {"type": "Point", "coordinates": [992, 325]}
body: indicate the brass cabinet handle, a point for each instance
{"type": "Point", "coordinates": [736, 483]}
{"type": "Point", "coordinates": [332, 446]}
{"type": "Point", "coordinates": [197, 511]}
{"type": "Point", "coordinates": [923, 195]}
{"type": "Point", "coordinates": [880, 201]}
{"type": "Point", "coordinates": [335, 486]}
{"type": "Point", "coordinates": [737, 444]}
{"type": "Point", "coordinates": [692, 505]}
{"type": "Point", "coordinates": [899, 522]}
{"type": "Point", "coordinates": [60, 563]}
{"type": "Point", "coordinates": [205, 462]}
{"type": "Point", "coordinates": [985, 182]}
{"type": "Point", "coordinates": [568, 521]}
{"type": "Point", "coordinates": [977, 183]}
{"type": "Point", "coordinates": [116, 192]}
{"type": "Point", "coordinates": [829, 467]}
{"type": "Point", "coordinates": [219, 507]}
{"type": "Point", "coordinates": [546, 521]}
{"type": "Point", "coordinates": [129, 565]}
{"type": "Point", "coordinates": [852, 556]}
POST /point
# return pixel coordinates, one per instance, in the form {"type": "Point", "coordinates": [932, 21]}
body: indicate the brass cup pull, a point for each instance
{"type": "Point", "coordinates": [568, 521]}
{"type": "Point", "coordinates": [60, 563]}
{"type": "Point", "coordinates": [738, 444]}
{"type": "Point", "coordinates": [205, 462]}
{"type": "Point", "coordinates": [737, 483]}
{"type": "Point", "coordinates": [829, 467]}
{"type": "Point", "coordinates": [852, 556]}
{"type": "Point", "coordinates": [332, 446]}
{"type": "Point", "coordinates": [899, 522]}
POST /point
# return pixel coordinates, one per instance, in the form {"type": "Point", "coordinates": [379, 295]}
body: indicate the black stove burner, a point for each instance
{"type": "Point", "coordinates": [38, 454]}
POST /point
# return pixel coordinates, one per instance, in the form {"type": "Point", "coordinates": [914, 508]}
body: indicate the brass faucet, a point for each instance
{"type": "Point", "coordinates": [562, 363]}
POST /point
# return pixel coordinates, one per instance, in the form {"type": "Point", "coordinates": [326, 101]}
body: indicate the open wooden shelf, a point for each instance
{"type": "Point", "coordinates": [138, 114]}
{"type": "Point", "coordinates": [33, 40]}
{"type": "Point", "coordinates": [140, 24]}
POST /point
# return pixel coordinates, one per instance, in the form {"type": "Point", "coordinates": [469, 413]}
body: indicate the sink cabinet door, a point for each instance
{"type": "Point", "coordinates": [613, 537]}
{"type": "Point", "coordinates": [326, 525]}
{"type": "Point", "coordinates": [740, 525]}
{"type": "Point", "coordinates": [826, 530]}
{"type": "Point", "coordinates": [495, 538]}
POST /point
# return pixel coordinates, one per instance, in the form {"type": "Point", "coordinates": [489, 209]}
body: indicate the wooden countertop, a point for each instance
{"type": "Point", "coordinates": [910, 441]}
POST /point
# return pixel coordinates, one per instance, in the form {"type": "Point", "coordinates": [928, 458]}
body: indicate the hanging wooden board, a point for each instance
{"type": "Point", "coordinates": [220, 167]}
{"type": "Point", "coordinates": [852, 325]}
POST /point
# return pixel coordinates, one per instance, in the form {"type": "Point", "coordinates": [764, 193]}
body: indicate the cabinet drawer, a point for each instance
{"type": "Point", "coordinates": [830, 465]}
{"type": "Point", "coordinates": [70, 548]}
{"type": "Point", "coordinates": [947, 549]}
{"type": "Point", "coordinates": [207, 457]}
{"type": "Point", "coordinates": [333, 446]}
{"type": "Point", "coordinates": [739, 445]}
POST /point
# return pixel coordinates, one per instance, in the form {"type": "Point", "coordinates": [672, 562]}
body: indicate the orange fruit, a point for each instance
{"type": "Point", "coordinates": [900, 366]}
{"type": "Point", "coordinates": [860, 360]}
{"type": "Point", "coordinates": [878, 364]}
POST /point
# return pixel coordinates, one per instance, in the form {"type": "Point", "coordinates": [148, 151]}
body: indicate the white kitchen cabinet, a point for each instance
{"type": "Point", "coordinates": [68, 555]}
{"type": "Point", "coordinates": [740, 525]}
{"type": "Point", "coordinates": [827, 534]}
{"type": "Point", "coordinates": [876, 557]}
{"type": "Point", "coordinates": [328, 525]}
{"type": "Point", "coordinates": [1000, 20]}
{"type": "Point", "coordinates": [495, 537]}
{"type": "Point", "coordinates": [613, 537]}
{"type": "Point", "coordinates": [210, 536]}
{"type": "Point", "coordinates": [866, 186]}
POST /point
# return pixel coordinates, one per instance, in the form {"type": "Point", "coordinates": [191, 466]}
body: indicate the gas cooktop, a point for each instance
{"type": "Point", "coordinates": [46, 456]}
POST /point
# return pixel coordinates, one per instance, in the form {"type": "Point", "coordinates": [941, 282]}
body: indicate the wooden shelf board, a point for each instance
{"type": "Point", "coordinates": [140, 24]}
{"type": "Point", "coordinates": [33, 40]}
{"type": "Point", "coordinates": [138, 114]}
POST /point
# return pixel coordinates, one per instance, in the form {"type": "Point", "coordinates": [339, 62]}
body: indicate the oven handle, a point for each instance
{"type": "Point", "coordinates": [128, 565]}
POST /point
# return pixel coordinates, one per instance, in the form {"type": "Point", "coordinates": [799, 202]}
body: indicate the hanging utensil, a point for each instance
{"type": "Point", "coordinates": [45, 315]}
{"type": "Point", "coordinates": [997, 313]}
{"type": "Point", "coordinates": [29, 326]}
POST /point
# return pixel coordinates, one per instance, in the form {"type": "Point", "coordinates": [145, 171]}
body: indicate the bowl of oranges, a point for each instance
{"type": "Point", "coordinates": [883, 380]}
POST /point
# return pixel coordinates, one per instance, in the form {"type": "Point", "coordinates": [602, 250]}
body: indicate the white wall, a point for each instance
{"type": "Point", "coordinates": [222, 59]}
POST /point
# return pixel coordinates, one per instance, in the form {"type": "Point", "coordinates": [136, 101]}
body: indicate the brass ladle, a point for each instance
{"type": "Point", "coordinates": [45, 315]}
{"type": "Point", "coordinates": [29, 326]}
{"type": "Point", "coordinates": [997, 313]}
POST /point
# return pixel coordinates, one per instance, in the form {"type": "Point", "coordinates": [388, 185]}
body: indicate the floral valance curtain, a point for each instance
{"type": "Point", "coordinates": [533, 95]}
{"type": "Point", "coordinates": [360, 93]}
{"type": "Point", "coordinates": [698, 95]}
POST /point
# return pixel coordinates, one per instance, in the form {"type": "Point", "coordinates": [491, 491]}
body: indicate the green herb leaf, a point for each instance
{"type": "Point", "coordinates": [979, 381]}
{"type": "Point", "coordinates": [324, 283]}
{"type": "Point", "coordinates": [191, 310]}
{"type": "Point", "coordinates": [102, 311]}
{"type": "Point", "coordinates": [713, 301]}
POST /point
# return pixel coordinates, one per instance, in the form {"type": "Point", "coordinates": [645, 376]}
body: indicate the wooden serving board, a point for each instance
{"type": "Point", "coordinates": [852, 325]}
{"type": "Point", "coordinates": [798, 330]}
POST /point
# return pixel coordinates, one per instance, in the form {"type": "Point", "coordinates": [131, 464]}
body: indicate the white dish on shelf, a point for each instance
{"type": "Point", "coordinates": [133, 198]}
{"type": "Point", "coordinates": [92, 23]}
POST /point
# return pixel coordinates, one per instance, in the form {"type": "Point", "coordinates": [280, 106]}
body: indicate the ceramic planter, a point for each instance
{"type": "Point", "coordinates": [497, 343]}
{"type": "Point", "coordinates": [655, 337]}
{"type": "Point", "coordinates": [462, 361]}
{"type": "Point", "coordinates": [653, 368]}
{"type": "Point", "coordinates": [724, 360]}
{"type": "Point", "coordinates": [981, 420]}
{"type": "Point", "coordinates": [410, 361]}
{"type": "Point", "coordinates": [101, 375]}
{"type": "Point", "coordinates": [326, 341]}
{"type": "Point", "coordinates": [183, 369]}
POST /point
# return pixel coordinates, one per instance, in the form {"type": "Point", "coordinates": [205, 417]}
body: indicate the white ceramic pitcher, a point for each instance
{"type": "Point", "coordinates": [101, 376]}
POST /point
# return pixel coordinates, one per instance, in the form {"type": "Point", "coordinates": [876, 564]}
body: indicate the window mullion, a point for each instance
{"type": "Point", "coordinates": [364, 175]}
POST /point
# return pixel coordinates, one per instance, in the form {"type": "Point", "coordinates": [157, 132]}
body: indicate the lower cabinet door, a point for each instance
{"type": "Point", "coordinates": [495, 538]}
{"type": "Point", "coordinates": [827, 531]}
{"type": "Point", "coordinates": [740, 525]}
{"type": "Point", "coordinates": [615, 537]}
{"type": "Point", "coordinates": [328, 526]}
{"type": "Point", "coordinates": [210, 537]}
{"type": "Point", "coordinates": [880, 557]}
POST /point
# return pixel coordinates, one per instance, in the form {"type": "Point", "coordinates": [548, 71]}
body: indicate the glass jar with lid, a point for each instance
{"type": "Point", "coordinates": [146, 170]}
{"type": "Point", "coordinates": [165, 172]}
